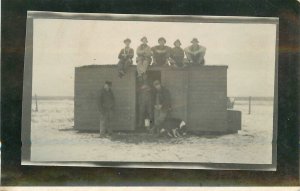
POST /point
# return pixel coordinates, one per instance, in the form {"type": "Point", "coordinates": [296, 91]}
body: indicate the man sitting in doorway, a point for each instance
{"type": "Point", "coordinates": [125, 58]}
{"type": "Point", "coordinates": [162, 105]}
{"type": "Point", "coordinates": [195, 53]}
{"type": "Point", "coordinates": [106, 106]}
{"type": "Point", "coordinates": [161, 53]}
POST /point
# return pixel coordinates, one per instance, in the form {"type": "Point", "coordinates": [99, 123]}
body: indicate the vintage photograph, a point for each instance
{"type": "Point", "coordinates": [150, 89]}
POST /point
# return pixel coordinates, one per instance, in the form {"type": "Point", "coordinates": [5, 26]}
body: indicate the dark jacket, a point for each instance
{"type": "Point", "coordinates": [126, 54]}
{"type": "Point", "coordinates": [161, 54]}
{"type": "Point", "coordinates": [106, 100]}
{"type": "Point", "coordinates": [177, 54]}
{"type": "Point", "coordinates": [145, 94]}
{"type": "Point", "coordinates": [162, 97]}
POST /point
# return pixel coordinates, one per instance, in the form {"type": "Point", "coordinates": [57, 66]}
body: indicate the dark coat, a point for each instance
{"type": "Point", "coordinates": [162, 97]}
{"type": "Point", "coordinates": [126, 54]}
{"type": "Point", "coordinates": [161, 54]}
{"type": "Point", "coordinates": [145, 94]}
{"type": "Point", "coordinates": [106, 101]}
{"type": "Point", "coordinates": [177, 54]}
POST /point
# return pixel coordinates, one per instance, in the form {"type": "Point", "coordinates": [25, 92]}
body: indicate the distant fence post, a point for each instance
{"type": "Point", "coordinates": [249, 105]}
{"type": "Point", "coordinates": [36, 103]}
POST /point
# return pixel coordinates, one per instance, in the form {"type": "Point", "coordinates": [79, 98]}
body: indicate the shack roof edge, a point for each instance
{"type": "Point", "coordinates": [152, 67]}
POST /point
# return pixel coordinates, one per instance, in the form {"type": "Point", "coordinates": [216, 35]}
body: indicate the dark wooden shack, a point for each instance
{"type": "Point", "coordinates": [199, 96]}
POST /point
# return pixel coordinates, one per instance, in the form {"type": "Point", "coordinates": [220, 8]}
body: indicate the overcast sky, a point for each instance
{"type": "Point", "coordinates": [60, 45]}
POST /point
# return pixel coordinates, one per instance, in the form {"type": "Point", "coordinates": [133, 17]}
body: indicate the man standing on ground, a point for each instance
{"type": "Point", "coordinates": [162, 104]}
{"type": "Point", "coordinates": [106, 107]}
{"type": "Point", "coordinates": [145, 105]}
{"type": "Point", "coordinates": [143, 59]}
{"type": "Point", "coordinates": [125, 58]}
{"type": "Point", "coordinates": [161, 53]}
{"type": "Point", "coordinates": [195, 53]}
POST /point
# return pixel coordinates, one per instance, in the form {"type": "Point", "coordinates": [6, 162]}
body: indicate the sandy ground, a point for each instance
{"type": "Point", "coordinates": [53, 139]}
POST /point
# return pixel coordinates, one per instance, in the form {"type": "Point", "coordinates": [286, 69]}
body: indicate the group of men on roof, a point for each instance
{"type": "Point", "coordinates": [160, 55]}
{"type": "Point", "coordinates": [154, 100]}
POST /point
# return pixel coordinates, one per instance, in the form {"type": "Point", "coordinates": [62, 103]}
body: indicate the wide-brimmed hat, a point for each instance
{"type": "Point", "coordinates": [144, 38]}
{"type": "Point", "coordinates": [156, 82]}
{"type": "Point", "coordinates": [162, 39]}
{"type": "Point", "coordinates": [177, 41]}
{"type": "Point", "coordinates": [109, 83]}
{"type": "Point", "coordinates": [195, 40]}
{"type": "Point", "coordinates": [127, 40]}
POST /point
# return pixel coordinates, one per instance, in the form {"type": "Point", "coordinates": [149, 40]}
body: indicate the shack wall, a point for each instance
{"type": "Point", "coordinates": [89, 81]}
{"type": "Point", "coordinates": [199, 96]}
{"type": "Point", "coordinates": [207, 99]}
{"type": "Point", "coordinates": [176, 81]}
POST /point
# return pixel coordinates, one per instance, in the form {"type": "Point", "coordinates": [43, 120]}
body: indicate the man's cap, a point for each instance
{"type": "Point", "coordinates": [156, 82]}
{"type": "Point", "coordinates": [177, 41]}
{"type": "Point", "coordinates": [108, 83]}
{"type": "Point", "coordinates": [127, 40]}
{"type": "Point", "coordinates": [144, 38]}
{"type": "Point", "coordinates": [195, 40]}
{"type": "Point", "coordinates": [162, 39]}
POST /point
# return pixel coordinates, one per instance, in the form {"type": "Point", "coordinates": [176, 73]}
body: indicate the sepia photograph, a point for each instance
{"type": "Point", "coordinates": [150, 89]}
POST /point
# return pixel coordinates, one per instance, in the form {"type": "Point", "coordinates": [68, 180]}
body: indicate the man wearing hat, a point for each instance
{"type": "Point", "coordinates": [161, 53]}
{"type": "Point", "coordinates": [162, 104]}
{"type": "Point", "coordinates": [177, 55]}
{"type": "Point", "coordinates": [106, 106]}
{"type": "Point", "coordinates": [143, 59]}
{"type": "Point", "coordinates": [125, 58]}
{"type": "Point", "coordinates": [195, 53]}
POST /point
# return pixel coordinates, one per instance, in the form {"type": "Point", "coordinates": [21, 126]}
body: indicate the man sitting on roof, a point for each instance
{"type": "Point", "coordinates": [161, 53]}
{"type": "Point", "coordinates": [143, 59]}
{"type": "Point", "coordinates": [125, 58]}
{"type": "Point", "coordinates": [195, 53]}
{"type": "Point", "coordinates": [177, 55]}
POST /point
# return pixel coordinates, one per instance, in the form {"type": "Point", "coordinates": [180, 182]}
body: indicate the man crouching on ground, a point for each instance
{"type": "Point", "coordinates": [106, 108]}
{"type": "Point", "coordinates": [162, 105]}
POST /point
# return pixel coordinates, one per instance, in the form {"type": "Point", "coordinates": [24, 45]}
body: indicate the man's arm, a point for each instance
{"type": "Point", "coordinates": [113, 98]}
{"type": "Point", "coordinates": [139, 51]}
{"type": "Point", "coordinates": [167, 99]}
{"type": "Point", "coordinates": [131, 53]}
{"type": "Point", "coordinates": [181, 54]}
{"type": "Point", "coordinates": [121, 56]}
{"type": "Point", "coordinates": [203, 51]}
{"type": "Point", "coordinates": [148, 52]}
{"type": "Point", "coordinates": [100, 102]}
{"type": "Point", "coordinates": [187, 50]}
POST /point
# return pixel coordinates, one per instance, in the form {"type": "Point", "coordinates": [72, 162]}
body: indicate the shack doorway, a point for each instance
{"type": "Point", "coordinates": [153, 75]}
{"type": "Point", "coordinates": [144, 92]}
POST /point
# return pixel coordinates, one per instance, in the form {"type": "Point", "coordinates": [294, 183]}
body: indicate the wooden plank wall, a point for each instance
{"type": "Point", "coordinates": [176, 81]}
{"type": "Point", "coordinates": [88, 84]}
{"type": "Point", "coordinates": [199, 96]}
{"type": "Point", "coordinates": [207, 99]}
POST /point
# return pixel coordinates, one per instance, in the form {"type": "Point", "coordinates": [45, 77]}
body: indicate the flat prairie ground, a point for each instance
{"type": "Point", "coordinates": [54, 139]}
